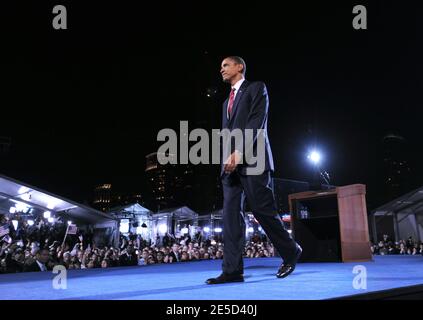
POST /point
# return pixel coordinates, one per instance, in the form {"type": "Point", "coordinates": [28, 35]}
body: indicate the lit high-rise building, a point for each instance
{"type": "Point", "coordinates": [396, 168]}
{"type": "Point", "coordinates": [102, 197]}
{"type": "Point", "coordinates": [171, 183]}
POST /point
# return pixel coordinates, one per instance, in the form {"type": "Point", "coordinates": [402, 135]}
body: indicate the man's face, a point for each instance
{"type": "Point", "coordinates": [19, 257]}
{"type": "Point", "coordinates": [230, 69]}
{"type": "Point", "coordinates": [150, 260]}
{"type": "Point", "coordinates": [43, 256]}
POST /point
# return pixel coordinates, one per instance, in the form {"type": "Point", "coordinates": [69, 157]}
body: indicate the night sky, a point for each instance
{"type": "Point", "coordinates": [83, 106]}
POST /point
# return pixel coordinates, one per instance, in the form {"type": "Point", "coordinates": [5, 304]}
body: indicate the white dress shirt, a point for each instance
{"type": "Point", "coordinates": [42, 266]}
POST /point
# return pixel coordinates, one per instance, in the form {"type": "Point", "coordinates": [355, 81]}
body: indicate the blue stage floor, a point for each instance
{"type": "Point", "coordinates": [185, 281]}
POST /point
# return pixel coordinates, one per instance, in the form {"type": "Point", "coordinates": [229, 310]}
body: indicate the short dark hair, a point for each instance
{"type": "Point", "coordinates": [39, 251]}
{"type": "Point", "coordinates": [239, 60]}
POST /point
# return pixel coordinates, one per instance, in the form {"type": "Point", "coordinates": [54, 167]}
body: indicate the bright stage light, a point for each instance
{"type": "Point", "coordinates": [51, 219]}
{"type": "Point", "coordinates": [218, 230]}
{"type": "Point", "coordinates": [23, 190]}
{"type": "Point", "coordinates": [206, 229]}
{"type": "Point", "coordinates": [15, 224]}
{"type": "Point", "coordinates": [26, 196]}
{"type": "Point", "coordinates": [21, 207]}
{"type": "Point", "coordinates": [124, 226]}
{"type": "Point", "coordinates": [30, 222]}
{"type": "Point", "coordinates": [12, 210]}
{"type": "Point", "coordinates": [162, 228]}
{"type": "Point", "coordinates": [69, 223]}
{"type": "Point", "coordinates": [184, 230]}
{"type": "Point", "coordinates": [47, 214]}
{"type": "Point", "coordinates": [314, 157]}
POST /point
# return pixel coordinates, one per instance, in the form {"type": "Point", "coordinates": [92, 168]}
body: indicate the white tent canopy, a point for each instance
{"type": "Point", "coordinates": [406, 214]}
{"type": "Point", "coordinates": [32, 201]}
{"type": "Point", "coordinates": [134, 208]}
{"type": "Point", "coordinates": [178, 213]}
{"type": "Point", "coordinates": [133, 218]}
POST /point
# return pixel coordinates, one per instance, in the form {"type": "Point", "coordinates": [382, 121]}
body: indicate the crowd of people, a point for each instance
{"type": "Point", "coordinates": [40, 247]}
{"type": "Point", "coordinates": [403, 247]}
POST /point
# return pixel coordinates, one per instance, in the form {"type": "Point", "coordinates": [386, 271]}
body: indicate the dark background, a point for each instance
{"type": "Point", "coordinates": [83, 106]}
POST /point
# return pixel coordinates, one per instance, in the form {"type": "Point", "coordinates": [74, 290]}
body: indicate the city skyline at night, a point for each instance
{"type": "Point", "coordinates": [219, 154]}
{"type": "Point", "coordinates": [84, 108]}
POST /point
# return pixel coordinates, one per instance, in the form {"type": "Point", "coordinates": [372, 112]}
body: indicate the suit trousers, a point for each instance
{"type": "Point", "coordinates": [258, 191]}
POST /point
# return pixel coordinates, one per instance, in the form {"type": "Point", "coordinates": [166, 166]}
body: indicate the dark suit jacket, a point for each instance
{"type": "Point", "coordinates": [249, 111]}
{"type": "Point", "coordinates": [33, 267]}
{"type": "Point", "coordinates": [176, 257]}
{"type": "Point", "coordinates": [128, 260]}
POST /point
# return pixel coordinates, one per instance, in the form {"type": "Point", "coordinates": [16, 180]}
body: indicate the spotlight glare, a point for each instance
{"type": "Point", "coordinates": [124, 226]}
{"type": "Point", "coordinates": [21, 207]}
{"type": "Point", "coordinates": [314, 157]}
{"type": "Point", "coordinates": [162, 228]}
{"type": "Point", "coordinates": [15, 224]}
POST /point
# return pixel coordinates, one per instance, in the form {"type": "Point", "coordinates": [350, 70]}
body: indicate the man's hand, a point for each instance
{"type": "Point", "coordinates": [233, 160]}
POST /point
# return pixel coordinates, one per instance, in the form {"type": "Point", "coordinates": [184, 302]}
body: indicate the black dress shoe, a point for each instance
{"type": "Point", "coordinates": [287, 268]}
{"type": "Point", "coordinates": [224, 278]}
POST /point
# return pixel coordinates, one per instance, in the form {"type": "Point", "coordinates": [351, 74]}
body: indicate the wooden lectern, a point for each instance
{"type": "Point", "coordinates": [331, 225]}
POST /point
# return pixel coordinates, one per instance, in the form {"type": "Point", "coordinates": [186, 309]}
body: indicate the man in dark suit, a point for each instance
{"type": "Point", "coordinates": [41, 259]}
{"type": "Point", "coordinates": [175, 253]}
{"type": "Point", "coordinates": [246, 109]}
{"type": "Point", "coordinates": [128, 257]}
